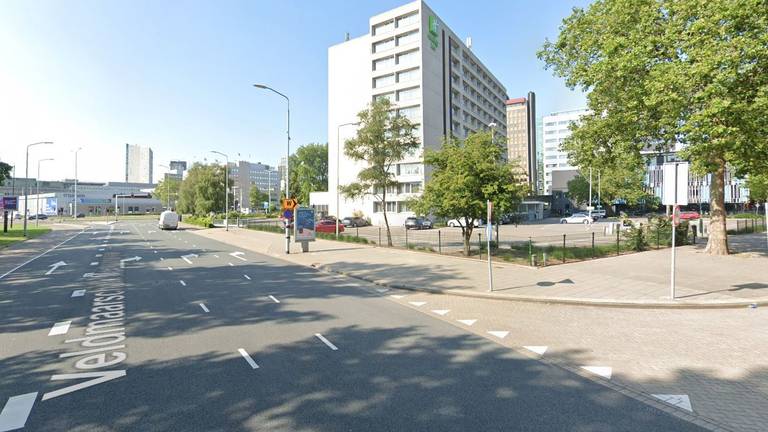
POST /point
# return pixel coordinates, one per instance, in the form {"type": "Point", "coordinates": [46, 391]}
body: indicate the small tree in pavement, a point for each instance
{"type": "Point", "coordinates": [465, 175]}
{"type": "Point", "coordinates": [382, 140]}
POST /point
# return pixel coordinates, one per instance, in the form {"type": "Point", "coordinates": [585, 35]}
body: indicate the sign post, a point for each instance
{"type": "Point", "coordinates": [6, 204]}
{"type": "Point", "coordinates": [489, 233]}
{"type": "Point", "coordinates": [675, 193]}
{"type": "Point", "coordinates": [287, 206]}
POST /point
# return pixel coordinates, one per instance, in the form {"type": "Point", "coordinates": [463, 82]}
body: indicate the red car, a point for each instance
{"type": "Point", "coordinates": [328, 226]}
{"type": "Point", "coordinates": [689, 215]}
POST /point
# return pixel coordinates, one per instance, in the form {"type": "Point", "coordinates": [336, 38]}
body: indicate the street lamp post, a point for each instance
{"type": "Point", "coordinates": [74, 215]}
{"type": "Point", "coordinates": [338, 162]}
{"type": "Point", "coordinates": [287, 160]}
{"type": "Point", "coordinates": [37, 192]}
{"type": "Point", "coordinates": [226, 189]}
{"type": "Point", "coordinates": [26, 181]}
{"type": "Point", "coordinates": [167, 188]}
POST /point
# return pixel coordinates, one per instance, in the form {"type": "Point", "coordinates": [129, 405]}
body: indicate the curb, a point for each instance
{"type": "Point", "coordinates": [553, 300]}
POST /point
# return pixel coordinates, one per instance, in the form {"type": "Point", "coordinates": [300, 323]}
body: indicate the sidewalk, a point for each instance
{"type": "Point", "coordinates": [633, 280]}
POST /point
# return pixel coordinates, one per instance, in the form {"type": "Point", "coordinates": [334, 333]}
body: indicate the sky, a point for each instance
{"type": "Point", "coordinates": [177, 75]}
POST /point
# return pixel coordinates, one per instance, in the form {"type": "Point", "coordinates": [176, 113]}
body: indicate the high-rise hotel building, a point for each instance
{"type": "Point", "coordinates": [411, 57]}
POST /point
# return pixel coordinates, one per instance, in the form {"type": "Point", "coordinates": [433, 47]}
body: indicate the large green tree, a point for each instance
{"type": "Point", "coordinates": [665, 73]}
{"type": "Point", "coordinates": [256, 198]}
{"type": "Point", "coordinates": [465, 175]}
{"type": "Point", "coordinates": [202, 191]}
{"type": "Point", "coordinates": [758, 187]}
{"type": "Point", "coordinates": [167, 191]}
{"type": "Point", "coordinates": [5, 172]}
{"type": "Point", "coordinates": [383, 139]}
{"type": "Point", "coordinates": [309, 171]}
{"type": "Point", "coordinates": [610, 183]}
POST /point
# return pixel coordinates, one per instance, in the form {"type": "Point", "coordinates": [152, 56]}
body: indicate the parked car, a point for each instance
{"type": "Point", "coordinates": [354, 222]}
{"type": "Point", "coordinates": [328, 226]}
{"type": "Point", "coordinates": [598, 213]}
{"type": "Point", "coordinates": [577, 218]}
{"type": "Point", "coordinates": [689, 215]}
{"type": "Point", "coordinates": [455, 223]}
{"type": "Point", "coordinates": [426, 223]}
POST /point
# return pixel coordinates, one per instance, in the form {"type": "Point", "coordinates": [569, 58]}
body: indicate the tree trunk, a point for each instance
{"type": "Point", "coordinates": [467, 231]}
{"type": "Point", "coordinates": [386, 221]}
{"type": "Point", "coordinates": [717, 243]}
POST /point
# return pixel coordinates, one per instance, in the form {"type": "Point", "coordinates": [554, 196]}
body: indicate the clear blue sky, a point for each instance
{"type": "Point", "coordinates": [177, 75]}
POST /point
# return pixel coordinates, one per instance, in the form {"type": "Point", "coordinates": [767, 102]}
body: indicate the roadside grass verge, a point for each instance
{"type": "Point", "coordinates": [16, 234]}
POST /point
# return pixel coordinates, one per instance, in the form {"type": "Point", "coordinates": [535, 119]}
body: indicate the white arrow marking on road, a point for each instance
{"type": "Point", "coordinates": [441, 311]}
{"type": "Point", "coordinates": [248, 358]}
{"type": "Point", "coordinates": [16, 411]}
{"type": "Point", "coordinates": [182, 283]}
{"type": "Point", "coordinates": [202, 305]}
{"type": "Point", "coordinates": [187, 257]}
{"type": "Point", "coordinates": [54, 266]}
{"type": "Point", "coordinates": [60, 328]}
{"type": "Point", "coordinates": [680, 401]}
{"type": "Point", "coordinates": [78, 293]}
{"type": "Point", "coordinates": [247, 277]}
{"type": "Point", "coordinates": [418, 304]}
{"type": "Point", "coordinates": [397, 296]}
{"type": "Point", "coordinates": [326, 341]}
{"type": "Point", "coordinates": [467, 322]}
{"type": "Point", "coordinates": [237, 255]}
{"type": "Point", "coordinates": [538, 349]}
{"type": "Point", "coordinates": [125, 260]}
{"type": "Point", "coordinates": [603, 371]}
{"type": "Point", "coordinates": [498, 334]}
{"type": "Point", "coordinates": [382, 290]}
{"type": "Point", "coordinates": [274, 299]}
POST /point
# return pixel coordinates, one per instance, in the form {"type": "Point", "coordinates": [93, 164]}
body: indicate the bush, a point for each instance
{"type": "Point", "coordinates": [203, 221]}
{"type": "Point", "coordinates": [746, 216]}
{"type": "Point", "coordinates": [635, 238]}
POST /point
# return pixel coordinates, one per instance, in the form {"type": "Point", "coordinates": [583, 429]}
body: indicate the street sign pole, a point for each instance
{"type": "Point", "coordinates": [675, 194]}
{"type": "Point", "coordinates": [489, 232]}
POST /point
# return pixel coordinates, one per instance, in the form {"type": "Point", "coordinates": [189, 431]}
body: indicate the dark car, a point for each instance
{"type": "Point", "coordinates": [328, 226]}
{"type": "Point", "coordinates": [417, 223]}
{"type": "Point", "coordinates": [354, 222]}
{"type": "Point", "coordinates": [42, 216]}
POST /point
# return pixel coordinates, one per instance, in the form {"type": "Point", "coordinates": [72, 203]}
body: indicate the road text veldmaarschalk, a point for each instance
{"type": "Point", "coordinates": [99, 354]}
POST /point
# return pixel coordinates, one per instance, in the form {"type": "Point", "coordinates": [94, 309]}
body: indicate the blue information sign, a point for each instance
{"type": "Point", "coordinates": [288, 214]}
{"type": "Point", "coordinates": [10, 203]}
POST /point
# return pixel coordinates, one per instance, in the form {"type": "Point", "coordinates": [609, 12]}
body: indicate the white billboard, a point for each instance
{"type": "Point", "coordinates": [675, 191]}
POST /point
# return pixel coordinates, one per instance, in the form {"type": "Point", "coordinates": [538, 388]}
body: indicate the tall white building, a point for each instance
{"type": "Point", "coordinates": [557, 169]}
{"type": "Point", "coordinates": [138, 164]}
{"type": "Point", "coordinates": [411, 57]}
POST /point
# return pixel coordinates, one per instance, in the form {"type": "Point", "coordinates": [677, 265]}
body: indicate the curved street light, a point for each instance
{"type": "Point", "coordinates": [26, 181]}
{"type": "Point", "coordinates": [226, 189]}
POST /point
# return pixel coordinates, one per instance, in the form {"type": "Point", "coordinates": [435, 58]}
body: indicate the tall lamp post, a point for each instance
{"type": "Point", "coordinates": [287, 160]}
{"type": "Point", "coordinates": [338, 159]}
{"type": "Point", "coordinates": [37, 192]}
{"type": "Point", "coordinates": [167, 187]}
{"type": "Point", "coordinates": [74, 215]}
{"type": "Point", "coordinates": [26, 182]}
{"type": "Point", "coordinates": [226, 189]}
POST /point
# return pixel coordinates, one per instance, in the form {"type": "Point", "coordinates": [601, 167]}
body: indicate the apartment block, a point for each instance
{"type": "Point", "coordinates": [521, 135]}
{"type": "Point", "coordinates": [138, 164]}
{"type": "Point", "coordinates": [557, 169]}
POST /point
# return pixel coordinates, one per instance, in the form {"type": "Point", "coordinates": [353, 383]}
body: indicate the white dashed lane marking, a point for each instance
{"type": "Point", "coordinates": [274, 299]}
{"type": "Point", "coordinates": [16, 411]}
{"type": "Point", "coordinates": [326, 341]}
{"type": "Point", "coordinates": [60, 328]}
{"type": "Point", "coordinates": [182, 283]}
{"type": "Point", "coordinates": [247, 277]}
{"type": "Point", "coordinates": [78, 293]}
{"type": "Point", "coordinates": [248, 358]}
{"type": "Point", "coordinates": [205, 309]}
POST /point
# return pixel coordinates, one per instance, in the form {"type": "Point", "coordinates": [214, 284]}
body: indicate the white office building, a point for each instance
{"type": "Point", "coordinates": [557, 169]}
{"type": "Point", "coordinates": [411, 57]}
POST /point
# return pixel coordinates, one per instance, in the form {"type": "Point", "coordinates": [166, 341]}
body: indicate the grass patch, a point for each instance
{"type": "Point", "coordinates": [16, 234]}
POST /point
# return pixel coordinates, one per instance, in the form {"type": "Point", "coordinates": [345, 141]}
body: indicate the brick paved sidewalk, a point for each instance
{"type": "Point", "coordinates": [640, 279]}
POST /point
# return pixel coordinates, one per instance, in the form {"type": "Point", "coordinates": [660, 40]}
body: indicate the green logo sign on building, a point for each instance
{"type": "Point", "coordinates": [434, 33]}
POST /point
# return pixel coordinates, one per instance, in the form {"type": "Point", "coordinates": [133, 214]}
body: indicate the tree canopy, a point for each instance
{"type": "Point", "coordinates": [5, 172]}
{"type": "Point", "coordinates": [256, 198]}
{"type": "Point", "coordinates": [465, 175]}
{"type": "Point", "coordinates": [661, 74]}
{"type": "Point", "coordinates": [613, 183]}
{"type": "Point", "coordinates": [308, 171]}
{"type": "Point", "coordinates": [202, 191]}
{"type": "Point", "coordinates": [167, 190]}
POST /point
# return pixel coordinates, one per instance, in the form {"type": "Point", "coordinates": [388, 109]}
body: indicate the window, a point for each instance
{"type": "Point", "coordinates": [402, 207]}
{"type": "Point", "coordinates": [389, 96]}
{"type": "Point", "coordinates": [409, 187]}
{"type": "Point", "coordinates": [408, 58]}
{"type": "Point", "coordinates": [383, 81]}
{"type": "Point", "coordinates": [382, 28]}
{"type": "Point", "coordinates": [408, 94]}
{"type": "Point", "coordinates": [411, 113]}
{"type": "Point", "coordinates": [408, 19]}
{"type": "Point", "coordinates": [408, 38]}
{"type": "Point", "coordinates": [384, 45]}
{"type": "Point", "coordinates": [407, 76]}
{"type": "Point", "coordinates": [410, 169]}
{"type": "Point", "coordinates": [383, 63]}
{"type": "Point", "coordinates": [391, 206]}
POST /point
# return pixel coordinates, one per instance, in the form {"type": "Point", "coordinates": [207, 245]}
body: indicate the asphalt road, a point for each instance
{"type": "Point", "coordinates": [193, 338]}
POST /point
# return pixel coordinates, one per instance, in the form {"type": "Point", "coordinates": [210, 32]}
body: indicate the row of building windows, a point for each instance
{"type": "Point", "coordinates": [403, 95]}
{"type": "Point", "coordinates": [390, 43]}
{"type": "Point", "coordinates": [405, 76]}
{"type": "Point", "coordinates": [399, 22]}
{"type": "Point", "coordinates": [392, 207]}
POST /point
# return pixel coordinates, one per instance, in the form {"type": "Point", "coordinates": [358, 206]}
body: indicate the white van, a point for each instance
{"type": "Point", "coordinates": [168, 220]}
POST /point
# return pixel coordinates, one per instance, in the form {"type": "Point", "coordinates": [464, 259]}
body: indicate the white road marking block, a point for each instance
{"type": "Point", "coordinates": [603, 371]}
{"type": "Point", "coordinates": [162, 259]}
{"type": "Point", "coordinates": [125, 260]}
{"type": "Point", "coordinates": [170, 268]}
{"type": "Point", "coordinates": [78, 293]}
{"type": "Point", "coordinates": [680, 401]}
{"type": "Point", "coordinates": [154, 251]}
{"type": "Point", "coordinates": [397, 296]}
{"type": "Point", "coordinates": [202, 305]}
{"type": "Point", "coordinates": [238, 255]}
{"type": "Point", "coordinates": [60, 328]}
{"type": "Point", "coordinates": [230, 264]}
{"type": "Point", "coordinates": [187, 257]}
{"type": "Point", "coordinates": [467, 322]}
{"type": "Point", "coordinates": [382, 290]}
{"type": "Point", "coordinates": [101, 250]}
{"type": "Point", "coordinates": [247, 277]}
{"type": "Point", "coordinates": [98, 255]}
{"type": "Point", "coordinates": [326, 341]}
{"type": "Point", "coordinates": [248, 358]}
{"type": "Point", "coordinates": [418, 304]}
{"type": "Point", "coordinates": [498, 333]}
{"type": "Point", "coordinates": [441, 311]}
{"type": "Point", "coordinates": [94, 263]}
{"type": "Point", "coordinates": [182, 283]}
{"type": "Point", "coordinates": [16, 411]}
{"type": "Point", "coordinates": [538, 349]}
{"type": "Point", "coordinates": [274, 299]}
{"type": "Point", "coordinates": [216, 256]}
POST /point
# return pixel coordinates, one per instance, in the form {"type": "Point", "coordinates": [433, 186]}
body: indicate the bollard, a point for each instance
{"type": "Point", "coordinates": [530, 249]}
{"type": "Point", "coordinates": [439, 243]}
{"type": "Point", "coordinates": [480, 245]}
{"type": "Point", "coordinates": [618, 248]}
{"type": "Point", "coordinates": [545, 259]}
{"type": "Point", "coordinates": [593, 245]}
{"type": "Point", "coordinates": [406, 238]}
{"type": "Point", "coordinates": [563, 247]}
{"type": "Point", "coordinates": [357, 232]}
{"type": "Point", "coordinates": [379, 236]}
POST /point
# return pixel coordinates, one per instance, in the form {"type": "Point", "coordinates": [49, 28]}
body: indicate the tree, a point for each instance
{"type": "Point", "coordinates": [613, 182]}
{"type": "Point", "coordinates": [167, 190]}
{"type": "Point", "coordinates": [309, 171]}
{"type": "Point", "coordinates": [758, 187]}
{"type": "Point", "coordinates": [382, 140]}
{"type": "Point", "coordinates": [465, 175]}
{"type": "Point", "coordinates": [202, 191]}
{"type": "Point", "coordinates": [5, 172]}
{"type": "Point", "coordinates": [666, 73]}
{"type": "Point", "coordinates": [257, 197]}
